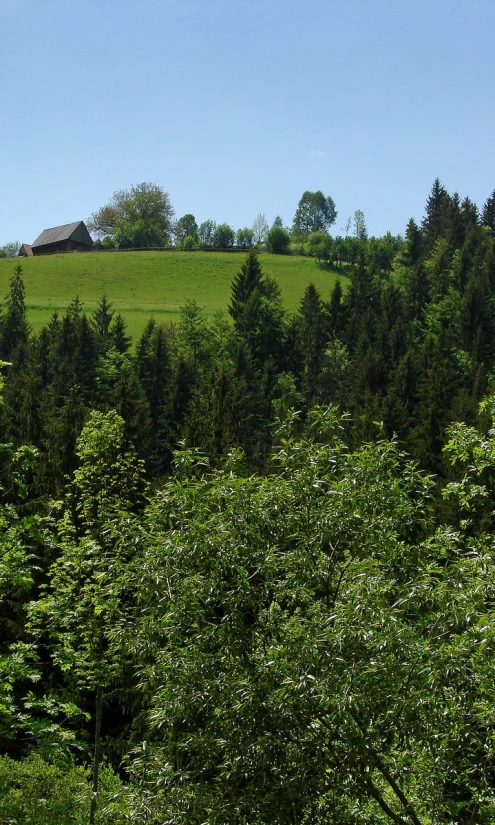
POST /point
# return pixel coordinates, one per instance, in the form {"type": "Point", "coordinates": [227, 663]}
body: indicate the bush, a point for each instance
{"type": "Point", "coordinates": [189, 242]}
{"type": "Point", "coordinates": [319, 245]}
{"type": "Point", "coordinates": [35, 792]}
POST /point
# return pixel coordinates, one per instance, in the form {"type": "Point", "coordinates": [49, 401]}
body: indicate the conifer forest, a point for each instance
{"type": "Point", "coordinates": [247, 570]}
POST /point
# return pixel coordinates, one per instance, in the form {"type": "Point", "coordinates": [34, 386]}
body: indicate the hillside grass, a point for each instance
{"type": "Point", "coordinates": [144, 284]}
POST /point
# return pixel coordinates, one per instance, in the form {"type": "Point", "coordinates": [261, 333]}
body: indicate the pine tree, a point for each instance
{"type": "Point", "coordinates": [336, 316]}
{"type": "Point", "coordinates": [249, 279]}
{"type": "Point", "coordinates": [256, 308]}
{"type": "Point", "coordinates": [101, 320]}
{"type": "Point", "coordinates": [436, 219]}
{"type": "Point", "coordinates": [14, 329]}
{"type": "Point", "coordinates": [361, 303]}
{"type": "Point", "coordinates": [118, 334]}
{"type": "Point", "coordinates": [313, 336]}
{"type": "Point", "coordinates": [154, 370]}
{"type": "Point", "coordinates": [488, 212]}
{"type": "Point", "coordinates": [477, 322]}
{"type": "Point", "coordinates": [413, 248]}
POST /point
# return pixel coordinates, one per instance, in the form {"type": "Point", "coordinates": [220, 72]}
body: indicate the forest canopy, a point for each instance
{"type": "Point", "coordinates": [247, 562]}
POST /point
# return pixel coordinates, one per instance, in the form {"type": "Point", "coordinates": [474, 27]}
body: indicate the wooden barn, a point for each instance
{"type": "Point", "coordinates": [66, 238]}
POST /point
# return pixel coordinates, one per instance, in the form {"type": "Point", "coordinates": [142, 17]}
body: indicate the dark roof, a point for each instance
{"type": "Point", "coordinates": [69, 231]}
{"type": "Point", "coordinates": [26, 250]}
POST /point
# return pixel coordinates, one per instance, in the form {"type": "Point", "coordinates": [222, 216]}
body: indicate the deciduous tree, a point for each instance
{"type": "Point", "coordinates": [224, 236]}
{"type": "Point", "coordinates": [260, 229]}
{"type": "Point", "coordinates": [315, 213]}
{"type": "Point", "coordinates": [314, 647]}
{"type": "Point", "coordinates": [207, 231]}
{"type": "Point", "coordinates": [278, 240]}
{"type": "Point", "coordinates": [137, 217]}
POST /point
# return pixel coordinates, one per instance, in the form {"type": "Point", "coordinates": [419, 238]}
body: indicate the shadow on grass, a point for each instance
{"type": "Point", "coordinates": [342, 270]}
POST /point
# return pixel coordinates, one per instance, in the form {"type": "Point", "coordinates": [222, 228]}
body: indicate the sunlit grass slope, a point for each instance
{"type": "Point", "coordinates": [141, 284]}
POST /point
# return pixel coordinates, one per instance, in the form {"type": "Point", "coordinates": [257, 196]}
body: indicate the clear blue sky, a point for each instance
{"type": "Point", "coordinates": [237, 106]}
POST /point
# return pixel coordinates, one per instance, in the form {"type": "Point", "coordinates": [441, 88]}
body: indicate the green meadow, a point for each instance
{"type": "Point", "coordinates": [144, 284]}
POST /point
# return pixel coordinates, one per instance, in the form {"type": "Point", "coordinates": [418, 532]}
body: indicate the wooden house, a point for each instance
{"type": "Point", "coordinates": [66, 238]}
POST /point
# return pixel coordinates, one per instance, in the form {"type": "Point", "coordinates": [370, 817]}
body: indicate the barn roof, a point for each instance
{"type": "Point", "coordinates": [63, 233]}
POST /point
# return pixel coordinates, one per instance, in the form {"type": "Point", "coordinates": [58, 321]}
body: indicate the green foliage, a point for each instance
{"type": "Point", "coordinates": [224, 236]}
{"type": "Point", "coordinates": [10, 250]}
{"type": "Point", "coordinates": [36, 792]}
{"type": "Point", "coordinates": [312, 647]}
{"type": "Point", "coordinates": [207, 231]}
{"type": "Point", "coordinates": [315, 213]}
{"type": "Point", "coordinates": [298, 625]}
{"type": "Point", "coordinates": [135, 218]}
{"type": "Point", "coordinates": [256, 310]}
{"type": "Point", "coordinates": [319, 246]}
{"type": "Point", "coordinates": [244, 237]}
{"type": "Point", "coordinates": [14, 329]}
{"type": "Point", "coordinates": [278, 240]}
{"type": "Point", "coordinates": [260, 229]}
{"type": "Point", "coordinates": [189, 242]}
{"type": "Point", "coordinates": [359, 225]}
{"type": "Point", "coordinates": [488, 212]}
{"type": "Point", "coordinates": [186, 227]}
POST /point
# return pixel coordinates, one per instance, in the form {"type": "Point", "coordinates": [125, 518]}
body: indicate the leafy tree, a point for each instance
{"type": "Point", "coordinates": [359, 224]}
{"type": "Point", "coordinates": [260, 229]}
{"type": "Point", "coordinates": [322, 652]}
{"type": "Point", "coordinates": [207, 231]}
{"type": "Point", "coordinates": [319, 245]}
{"type": "Point", "coordinates": [10, 250]}
{"type": "Point", "coordinates": [137, 217]}
{"type": "Point", "coordinates": [244, 237]}
{"type": "Point", "coordinates": [87, 589]}
{"type": "Point", "coordinates": [186, 226]}
{"type": "Point", "coordinates": [224, 236]}
{"type": "Point", "coordinates": [315, 213]}
{"type": "Point", "coordinates": [35, 790]}
{"type": "Point", "coordinates": [189, 242]}
{"type": "Point", "coordinates": [278, 240]}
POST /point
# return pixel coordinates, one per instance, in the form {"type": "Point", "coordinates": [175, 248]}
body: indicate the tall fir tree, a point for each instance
{"type": "Point", "coordinates": [488, 212]}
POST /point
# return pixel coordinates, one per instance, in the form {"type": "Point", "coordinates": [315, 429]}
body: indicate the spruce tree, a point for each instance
{"type": "Point", "coordinates": [101, 320]}
{"type": "Point", "coordinates": [314, 336]}
{"type": "Point", "coordinates": [118, 334]}
{"type": "Point", "coordinates": [435, 221]}
{"type": "Point", "coordinates": [488, 212]}
{"type": "Point", "coordinates": [249, 279]}
{"type": "Point", "coordinates": [14, 329]}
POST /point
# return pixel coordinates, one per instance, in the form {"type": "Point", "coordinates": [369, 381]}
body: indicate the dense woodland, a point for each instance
{"type": "Point", "coordinates": [248, 568]}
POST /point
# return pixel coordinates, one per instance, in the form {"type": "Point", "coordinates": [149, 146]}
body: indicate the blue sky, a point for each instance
{"type": "Point", "coordinates": [236, 107]}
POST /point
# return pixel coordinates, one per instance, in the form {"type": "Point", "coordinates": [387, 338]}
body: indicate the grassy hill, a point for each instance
{"type": "Point", "coordinates": [140, 284]}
